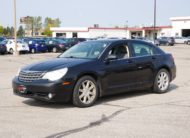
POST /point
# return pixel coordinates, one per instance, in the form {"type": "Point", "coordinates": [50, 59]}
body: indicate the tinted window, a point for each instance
{"type": "Point", "coordinates": [142, 50]}
{"type": "Point", "coordinates": [4, 42]}
{"type": "Point", "coordinates": [81, 39]}
{"type": "Point", "coordinates": [121, 51]}
{"type": "Point", "coordinates": [40, 41]}
{"type": "Point", "coordinates": [89, 50]}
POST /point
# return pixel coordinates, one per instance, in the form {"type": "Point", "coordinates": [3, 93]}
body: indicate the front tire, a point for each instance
{"type": "Point", "coordinates": [33, 51]}
{"type": "Point", "coordinates": [162, 81]}
{"type": "Point", "coordinates": [85, 92]}
{"type": "Point", "coordinates": [11, 51]}
{"type": "Point", "coordinates": [168, 44]}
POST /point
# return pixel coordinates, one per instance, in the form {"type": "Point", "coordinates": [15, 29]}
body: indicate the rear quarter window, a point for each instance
{"type": "Point", "coordinates": [142, 49]}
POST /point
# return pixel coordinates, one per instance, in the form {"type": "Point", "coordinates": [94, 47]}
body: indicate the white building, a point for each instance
{"type": "Point", "coordinates": [180, 27]}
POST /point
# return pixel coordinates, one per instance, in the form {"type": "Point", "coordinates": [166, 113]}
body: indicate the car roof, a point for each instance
{"type": "Point", "coordinates": [116, 40]}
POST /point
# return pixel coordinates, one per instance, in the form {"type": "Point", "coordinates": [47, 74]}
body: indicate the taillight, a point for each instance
{"type": "Point", "coordinates": [61, 45]}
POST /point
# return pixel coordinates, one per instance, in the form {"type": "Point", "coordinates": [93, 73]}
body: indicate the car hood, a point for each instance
{"type": "Point", "coordinates": [54, 64]}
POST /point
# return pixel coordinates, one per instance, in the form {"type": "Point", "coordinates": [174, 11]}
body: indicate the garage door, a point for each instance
{"type": "Point", "coordinates": [186, 32]}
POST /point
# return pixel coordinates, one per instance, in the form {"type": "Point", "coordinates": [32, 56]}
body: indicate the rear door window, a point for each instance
{"type": "Point", "coordinates": [140, 49]}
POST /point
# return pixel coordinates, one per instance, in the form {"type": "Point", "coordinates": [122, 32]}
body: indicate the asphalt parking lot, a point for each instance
{"type": "Point", "coordinates": [134, 114]}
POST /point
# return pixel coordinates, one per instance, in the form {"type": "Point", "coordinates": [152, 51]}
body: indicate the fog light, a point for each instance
{"type": "Point", "coordinates": [50, 96]}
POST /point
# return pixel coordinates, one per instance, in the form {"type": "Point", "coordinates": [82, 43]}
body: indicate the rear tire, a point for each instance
{"type": "Point", "coordinates": [54, 50]}
{"type": "Point", "coordinates": [11, 51]}
{"type": "Point", "coordinates": [85, 92]}
{"type": "Point", "coordinates": [162, 81]}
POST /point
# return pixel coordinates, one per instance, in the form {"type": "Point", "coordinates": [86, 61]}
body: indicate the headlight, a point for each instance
{"type": "Point", "coordinates": [18, 72]}
{"type": "Point", "coordinates": [55, 75]}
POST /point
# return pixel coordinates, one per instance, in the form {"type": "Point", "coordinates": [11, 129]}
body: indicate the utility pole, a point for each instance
{"type": "Point", "coordinates": [155, 13]}
{"type": "Point", "coordinates": [15, 29]}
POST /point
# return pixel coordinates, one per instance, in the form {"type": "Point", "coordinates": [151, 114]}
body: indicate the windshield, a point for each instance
{"type": "Point", "coordinates": [88, 50]}
{"type": "Point", "coordinates": [60, 41]}
{"type": "Point", "coordinates": [40, 41]}
{"type": "Point", "coordinates": [3, 42]}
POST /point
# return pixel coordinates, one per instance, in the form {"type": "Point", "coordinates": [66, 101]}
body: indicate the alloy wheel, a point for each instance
{"type": "Point", "coordinates": [33, 51]}
{"type": "Point", "coordinates": [54, 50]}
{"type": "Point", "coordinates": [163, 81]}
{"type": "Point", "coordinates": [87, 92]}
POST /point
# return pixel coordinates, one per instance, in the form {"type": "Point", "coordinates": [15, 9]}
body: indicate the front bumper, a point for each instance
{"type": "Point", "coordinates": [40, 90]}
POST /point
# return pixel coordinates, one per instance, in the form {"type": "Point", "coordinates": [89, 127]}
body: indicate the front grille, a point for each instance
{"type": "Point", "coordinates": [30, 76]}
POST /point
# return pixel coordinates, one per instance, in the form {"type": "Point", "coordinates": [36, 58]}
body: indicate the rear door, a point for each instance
{"type": "Point", "coordinates": [145, 60]}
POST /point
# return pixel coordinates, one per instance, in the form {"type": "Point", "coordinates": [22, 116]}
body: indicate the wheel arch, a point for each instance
{"type": "Point", "coordinates": [96, 77]}
{"type": "Point", "coordinates": [166, 68]}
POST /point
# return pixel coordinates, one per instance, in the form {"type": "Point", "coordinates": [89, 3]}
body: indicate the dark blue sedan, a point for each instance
{"type": "Point", "coordinates": [94, 69]}
{"type": "Point", "coordinates": [37, 46]}
{"type": "Point", "coordinates": [3, 48]}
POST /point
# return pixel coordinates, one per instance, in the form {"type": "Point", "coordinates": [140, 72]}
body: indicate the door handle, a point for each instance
{"type": "Point", "coordinates": [154, 58]}
{"type": "Point", "coordinates": [129, 61]}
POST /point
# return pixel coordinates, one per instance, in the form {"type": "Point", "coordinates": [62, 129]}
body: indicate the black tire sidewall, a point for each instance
{"type": "Point", "coordinates": [155, 88]}
{"type": "Point", "coordinates": [11, 51]}
{"type": "Point", "coordinates": [76, 100]}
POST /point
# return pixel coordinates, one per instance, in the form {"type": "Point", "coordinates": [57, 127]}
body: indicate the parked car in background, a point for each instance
{"type": "Point", "coordinates": [3, 48]}
{"type": "Point", "coordinates": [187, 40]}
{"type": "Point", "coordinates": [145, 39]}
{"type": "Point", "coordinates": [169, 41]}
{"type": "Point", "coordinates": [2, 39]}
{"type": "Point", "coordinates": [94, 69]}
{"type": "Point", "coordinates": [56, 45]}
{"type": "Point", "coordinates": [180, 40]}
{"type": "Point", "coordinates": [37, 45]}
{"type": "Point", "coordinates": [91, 39]}
{"type": "Point", "coordinates": [21, 46]}
{"type": "Point", "coordinates": [73, 41]}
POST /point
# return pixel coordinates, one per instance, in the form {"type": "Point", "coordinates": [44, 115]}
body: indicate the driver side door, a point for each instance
{"type": "Point", "coordinates": [120, 72]}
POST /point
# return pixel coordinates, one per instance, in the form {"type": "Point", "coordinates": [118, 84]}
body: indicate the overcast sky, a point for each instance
{"type": "Point", "coordinates": [76, 13]}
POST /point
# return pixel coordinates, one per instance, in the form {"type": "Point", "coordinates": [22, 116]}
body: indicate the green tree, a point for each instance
{"type": "Point", "coordinates": [8, 31]}
{"type": "Point", "coordinates": [12, 32]}
{"type": "Point", "coordinates": [47, 31]}
{"type": "Point", "coordinates": [37, 24]}
{"type": "Point", "coordinates": [48, 23]}
{"type": "Point", "coordinates": [5, 32]}
{"type": "Point", "coordinates": [52, 22]}
{"type": "Point", "coordinates": [33, 24]}
{"type": "Point", "coordinates": [1, 30]}
{"type": "Point", "coordinates": [20, 32]}
{"type": "Point", "coordinates": [57, 22]}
